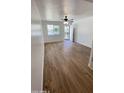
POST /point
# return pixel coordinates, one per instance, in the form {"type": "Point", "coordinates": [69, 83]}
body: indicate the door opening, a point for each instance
{"type": "Point", "coordinates": [67, 32]}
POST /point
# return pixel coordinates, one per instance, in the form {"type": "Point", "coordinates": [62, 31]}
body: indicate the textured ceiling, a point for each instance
{"type": "Point", "coordinates": [57, 9]}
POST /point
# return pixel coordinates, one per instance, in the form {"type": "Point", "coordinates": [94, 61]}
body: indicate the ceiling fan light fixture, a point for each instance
{"type": "Point", "coordinates": [65, 23]}
{"type": "Point", "coordinates": [66, 18]}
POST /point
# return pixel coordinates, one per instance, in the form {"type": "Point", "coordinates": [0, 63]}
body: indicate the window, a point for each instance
{"type": "Point", "coordinates": [53, 30]}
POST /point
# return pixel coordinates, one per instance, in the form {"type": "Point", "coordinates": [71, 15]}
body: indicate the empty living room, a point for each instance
{"type": "Point", "coordinates": [61, 46]}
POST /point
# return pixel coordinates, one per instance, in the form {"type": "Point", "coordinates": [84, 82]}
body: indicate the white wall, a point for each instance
{"type": "Point", "coordinates": [37, 57]}
{"type": "Point", "coordinates": [84, 31]}
{"type": "Point", "coordinates": [37, 50]}
{"type": "Point", "coordinates": [54, 38]}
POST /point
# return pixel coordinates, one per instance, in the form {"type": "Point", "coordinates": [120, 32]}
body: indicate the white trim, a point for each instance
{"type": "Point", "coordinates": [39, 92]}
{"type": "Point", "coordinates": [42, 73]}
{"type": "Point", "coordinates": [83, 44]}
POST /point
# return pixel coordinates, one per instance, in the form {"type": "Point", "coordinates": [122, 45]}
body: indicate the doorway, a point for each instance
{"type": "Point", "coordinates": [67, 32]}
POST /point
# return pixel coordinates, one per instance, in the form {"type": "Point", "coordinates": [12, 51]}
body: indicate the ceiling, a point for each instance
{"type": "Point", "coordinates": [57, 9]}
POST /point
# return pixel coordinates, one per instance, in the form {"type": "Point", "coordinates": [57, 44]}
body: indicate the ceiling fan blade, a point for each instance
{"type": "Point", "coordinates": [71, 19]}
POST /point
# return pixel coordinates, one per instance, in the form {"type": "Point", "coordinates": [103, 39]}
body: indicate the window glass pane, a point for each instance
{"type": "Point", "coordinates": [50, 29]}
{"type": "Point", "coordinates": [53, 29]}
{"type": "Point", "coordinates": [56, 30]}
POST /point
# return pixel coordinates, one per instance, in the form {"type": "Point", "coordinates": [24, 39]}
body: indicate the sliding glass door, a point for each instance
{"type": "Point", "coordinates": [67, 33]}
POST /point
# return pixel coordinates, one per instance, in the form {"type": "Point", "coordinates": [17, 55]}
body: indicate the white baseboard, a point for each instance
{"type": "Point", "coordinates": [83, 44]}
{"type": "Point", "coordinates": [40, 91]}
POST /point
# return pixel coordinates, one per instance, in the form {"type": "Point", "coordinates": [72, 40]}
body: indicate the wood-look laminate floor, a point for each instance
{"type": "Point", "coordinates": [66, 68]}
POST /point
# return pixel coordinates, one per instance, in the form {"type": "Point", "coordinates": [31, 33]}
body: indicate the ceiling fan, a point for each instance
{"type": "Point", "coordinates": [67, 21]}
